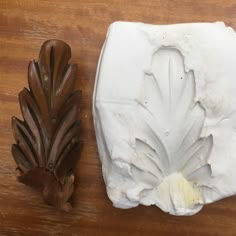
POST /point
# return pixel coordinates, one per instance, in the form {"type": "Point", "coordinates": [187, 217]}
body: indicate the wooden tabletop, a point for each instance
{"type": "Point", "coordinates": [24, 26]}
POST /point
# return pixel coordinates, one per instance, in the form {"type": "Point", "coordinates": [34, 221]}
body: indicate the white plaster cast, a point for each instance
{"type": "Point", "coordinates": [164, 113]}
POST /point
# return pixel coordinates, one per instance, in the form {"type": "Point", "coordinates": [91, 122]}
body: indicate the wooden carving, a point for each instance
{"type": "Point", "coordinates": [47, 140]}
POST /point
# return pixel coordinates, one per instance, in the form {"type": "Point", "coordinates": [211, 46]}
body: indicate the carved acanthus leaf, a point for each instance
{"type": "Point", "coordinates": [47, 141]}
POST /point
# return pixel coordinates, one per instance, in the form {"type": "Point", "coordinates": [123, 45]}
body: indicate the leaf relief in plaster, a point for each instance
{"type": "Point", "coordinates": [174, 159]}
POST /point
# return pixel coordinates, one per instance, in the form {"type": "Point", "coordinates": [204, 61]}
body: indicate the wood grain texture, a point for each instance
{"type": "Point", "coordinates": [24, 25]}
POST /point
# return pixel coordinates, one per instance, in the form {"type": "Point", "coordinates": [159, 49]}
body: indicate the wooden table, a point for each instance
{"type": "Point", "coordinates": [24, 25]}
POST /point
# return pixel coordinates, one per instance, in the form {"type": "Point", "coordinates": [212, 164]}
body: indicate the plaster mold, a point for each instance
{"type": "Point", "coordinates": [164, 113]}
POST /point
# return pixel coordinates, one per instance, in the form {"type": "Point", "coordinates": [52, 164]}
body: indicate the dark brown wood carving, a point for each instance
{"type": "Point", "coordinates": [47, 140]}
